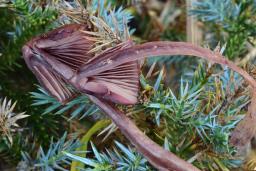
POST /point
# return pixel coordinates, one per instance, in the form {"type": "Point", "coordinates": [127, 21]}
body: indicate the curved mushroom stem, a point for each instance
{"type": "Point", "coordinates": [160, 158]}
{"type": "Point", "coordinates": [166, 48]}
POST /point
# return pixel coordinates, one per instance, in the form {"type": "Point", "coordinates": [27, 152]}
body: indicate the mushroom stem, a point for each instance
{"type": "Point", "coordinates": [160, 158]}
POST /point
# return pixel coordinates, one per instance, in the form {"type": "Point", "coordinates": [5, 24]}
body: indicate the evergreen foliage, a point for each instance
{"type": "Point", "coordinates": [126, 159]}
{"type": "Point", "coordinates": [232, 21]}
{"type": "Point", "coordinates": [52, 158]}
{"type": "Point", "coordinates": [191, 114]}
